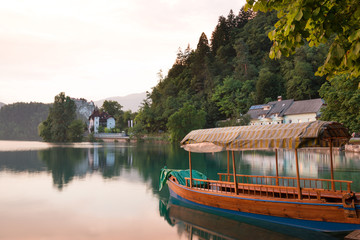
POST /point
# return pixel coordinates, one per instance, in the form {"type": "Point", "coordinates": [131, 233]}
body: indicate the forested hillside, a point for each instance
{"type": "Point", "coordinates": [228, 73]}
{"type": "Point", "coordinates": [19, 121]}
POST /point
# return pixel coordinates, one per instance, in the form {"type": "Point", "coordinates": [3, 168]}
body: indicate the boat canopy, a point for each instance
{"type": "Point", "coordinates": [288, 136]}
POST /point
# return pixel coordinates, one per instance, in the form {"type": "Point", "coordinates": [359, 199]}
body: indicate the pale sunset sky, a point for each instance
{"type": "Point", "coordinates": [95, 49]}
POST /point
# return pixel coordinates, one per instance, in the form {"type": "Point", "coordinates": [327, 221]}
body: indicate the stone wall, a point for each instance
{"type": "Point", "coordinates": [110, 135]}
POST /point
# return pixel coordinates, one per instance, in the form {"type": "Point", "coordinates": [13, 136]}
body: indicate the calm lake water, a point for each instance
{"type": "Point", "coordinates": [110, 191]}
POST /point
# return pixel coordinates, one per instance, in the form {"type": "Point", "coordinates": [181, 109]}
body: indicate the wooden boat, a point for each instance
{"type": "Point", "coordinates": [317, 204]}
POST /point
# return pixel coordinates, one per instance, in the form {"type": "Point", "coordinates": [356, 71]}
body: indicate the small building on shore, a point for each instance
{"type": "Point", "coordinates": [270, 113]}
{"type": "Point", "coordinates": [286, 111]}
{"type": "Point", "coordinates": [304, 111]}
{"type": "Point", "coordinates": [98, 119]}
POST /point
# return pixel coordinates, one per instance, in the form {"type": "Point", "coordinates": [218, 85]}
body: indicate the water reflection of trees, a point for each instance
{"type": "Point", "coordinates": [63, 163]}
{"type": "Point", "coordinates": [143, 162]}
{"type": "Point", "coordinates": [66, 163]}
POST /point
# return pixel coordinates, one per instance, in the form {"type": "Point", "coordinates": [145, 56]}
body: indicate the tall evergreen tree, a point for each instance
{"type": "Point", "coordinates": [199, 64]}
{"type": "Point", "coordinates": [62, 114]}
{"type": "Point", "coordinates": [220, 35]}
{"type": "Point", "coordinates": [56, 127]}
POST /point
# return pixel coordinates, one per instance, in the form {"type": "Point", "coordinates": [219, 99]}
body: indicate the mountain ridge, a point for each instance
{"type": "Point", "coordinates": [129, 102]}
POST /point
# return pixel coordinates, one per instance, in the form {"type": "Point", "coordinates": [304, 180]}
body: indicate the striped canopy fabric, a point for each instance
{"type": "Point", "coordinates": [288, 136]}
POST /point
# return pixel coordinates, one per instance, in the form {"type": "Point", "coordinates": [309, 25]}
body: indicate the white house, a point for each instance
{"type": "Point", "coordinates": [286, 111]}
{"type": "Point", "coordinates": [98, 118]}
{"type": "Point", "coordinates": [304, 111]}
{"type": "Point", "coordinates": [270, 113]}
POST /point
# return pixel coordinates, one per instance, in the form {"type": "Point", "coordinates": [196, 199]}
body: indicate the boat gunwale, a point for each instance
{"type": "Point", "coordinates": [255, 198]}
{"type": "Point", "coordinates": [294, 222]}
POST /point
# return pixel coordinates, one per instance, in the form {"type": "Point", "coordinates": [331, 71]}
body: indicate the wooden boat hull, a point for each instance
{"type": "Point", "coordinates": [231, 226]}
{"type": "Point", "coordinates": [313, 215]}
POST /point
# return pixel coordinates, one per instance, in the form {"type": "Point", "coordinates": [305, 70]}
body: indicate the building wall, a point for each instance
{"type": "Point", "coordinates": [266, 121]}
{"type": "Point", "coordinates": [96, 124]}
{"type": "Point", "coordinates": [296, 118]}
{"type": "Point", "coordinates": [254, 122]}
{"type": "Point", "coordinates": [91, 124]}
{"type": "Point", "coordinates": [110, 123]}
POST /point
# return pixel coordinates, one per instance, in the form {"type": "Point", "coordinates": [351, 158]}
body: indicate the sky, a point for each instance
{"type": "Point", "coordinates": [95, 49]}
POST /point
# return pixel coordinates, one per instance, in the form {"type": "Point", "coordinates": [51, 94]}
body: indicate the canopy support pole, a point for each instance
{"type": "Point", "coordinates": [234, 172]}
{"type": "Point", "coordinates": [190, 169]}
{"type": "Point", "coordinates": [331, 167]}
{"type": "Point", "coordinates": [298, 175]}
{"type": "Point", "coordinates": [277, 170]}
{"type": "Point", "coordinates": [228, 166]}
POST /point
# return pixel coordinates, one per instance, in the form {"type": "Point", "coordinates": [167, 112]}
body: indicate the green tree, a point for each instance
{"type": "Point", "coordinates": [342, 100]}
{"type": "Point", "coordinates": [298, 72]}
{"type": "Point", "coordinates": [317, 22]}
{"type": "Point", "coordinates": [199, 65]}
{"type": "Point", "coordinates": [185, 120]}
{"type": "Point", "coordinates": [122, 122]}
{"type": "Point", "coordinates": [138, 131]}
{"type": "Point", "coordinates": [221, 35]}
{"type": "Point", "coordinates": [76, 131]}
{"type": "Point", "coordinates": [44, 130]}
{"type": "Point", "coordinates": [268, 85]}
{"type": "Point", "coordinates": [112, 107]}
{"type": "Point", "coordinates": [61, 115]}
{"type": "Point", "coordinates": [146, 117]}
{"type": "Point", "coordinates": [227, 97]}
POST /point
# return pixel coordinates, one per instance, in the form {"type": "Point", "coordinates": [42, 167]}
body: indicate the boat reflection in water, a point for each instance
{"type": "Point", "coordinates": [200, 223]}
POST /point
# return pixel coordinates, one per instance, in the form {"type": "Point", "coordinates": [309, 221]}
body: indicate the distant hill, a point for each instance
{"type": "Point", "coordinates": [1, 104]}
{"type": "Point", "coordinates": [19, 121]}
{"type": "Point", "coordinates": [129, 102]}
